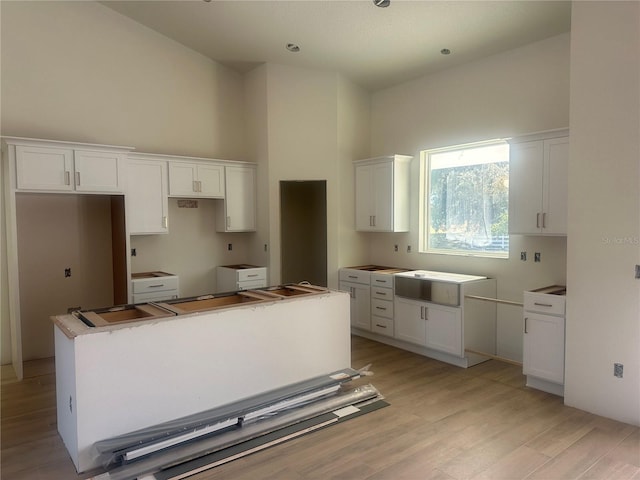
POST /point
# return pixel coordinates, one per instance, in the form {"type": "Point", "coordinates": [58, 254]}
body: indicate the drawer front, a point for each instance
{"type": "Point", "coordinates": [381, 308]}
{"type": "Point", "coordinates": [252, 284]}
{"type": "Point", "coordinates": [157, 284]}
{"type": "Point", "coordinates": [155, 296]}
{"type": "Point", "coordinates": [543, 303]}
{"type": "Point", "coordinates": [354, 276]}
{"type": "Point", "coordinates": [381, 280]}
{"type": "Point", "coordinates": [252, 274]}
{"type": "Point", "coordinates": [382, 293]}
{"type": "Point", "coordinates": [382, 325]}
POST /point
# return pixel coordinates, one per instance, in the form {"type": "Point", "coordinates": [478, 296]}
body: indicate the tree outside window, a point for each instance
{"type": "Point", "coordinates": [467, 200]}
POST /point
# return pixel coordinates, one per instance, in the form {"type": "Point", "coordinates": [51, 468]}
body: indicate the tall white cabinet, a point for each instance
{"type": "Point", "coordinates": [538, 179]}
{"type": "Point", "coordinates": [238, 211]}
{"type": "Point", "coordinates": [147, 204]}
{"type": "Point", "coordinates": [382, 193]}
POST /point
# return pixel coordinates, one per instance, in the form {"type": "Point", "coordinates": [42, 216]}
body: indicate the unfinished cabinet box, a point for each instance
{"type": "Point", "coordinates": [231, 278]}
{"type": "Point", "coordinates": [154, 286]}
{"type": "Point", "coordinates": [125, 376]}
{"type": "Point", "coordinates": [382, 194]}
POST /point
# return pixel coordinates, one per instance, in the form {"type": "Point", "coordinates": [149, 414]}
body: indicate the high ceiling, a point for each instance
{"type": "Point", "coordinates": [374, 47]}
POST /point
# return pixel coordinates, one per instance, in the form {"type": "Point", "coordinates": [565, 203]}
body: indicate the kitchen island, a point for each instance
{"type": "Point", "coordinates": [129, 373]}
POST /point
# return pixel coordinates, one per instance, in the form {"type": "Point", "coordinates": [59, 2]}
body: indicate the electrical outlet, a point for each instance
{"type": "Point", "coordinates": [395, 248]}
{"type": "Point", "coordinates": [133, 252]}
{"type": "Point", "coordinates": [617, 370]}
{"type": "Point", "coordinates": [523, 256]}
{"type": "Point", "coordinates": [265, 247]}
{"type": "Point", "coordinates": [408, 248]}
{"type": "Point", "coordinates": [230, 247]}
{"type": "Point", "coordinates": [67, 272]}
{"type": "Point", "coordinates": [536, 257]}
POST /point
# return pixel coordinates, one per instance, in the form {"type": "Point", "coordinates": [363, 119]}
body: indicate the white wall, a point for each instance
{"type": "Point", "coordinates": [603, 303]}
{"type": "Point", "coordinates": [302, 145]}
{"type": "Point", "coordinates": [79, 71]}
{"type": "Point", "coordinates": [520, 91]}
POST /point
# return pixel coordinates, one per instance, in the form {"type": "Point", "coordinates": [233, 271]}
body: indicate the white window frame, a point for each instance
{"type": "Point", "coordinates": [424, 212]}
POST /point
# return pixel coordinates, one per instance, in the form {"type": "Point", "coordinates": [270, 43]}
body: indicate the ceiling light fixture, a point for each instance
{"type": "Point", "coordinates": [445, 51]}
{"type": "Point", "coordinates": [381, 3]}
{"type": "Point", "coordinates": [292, 47]}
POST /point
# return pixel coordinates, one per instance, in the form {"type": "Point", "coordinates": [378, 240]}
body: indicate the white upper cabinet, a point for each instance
{"type": "Point", "coordinates": [538, 179]}
{"type": "Point", "coordinates": [65, 167]}
{"type": "Point", "coordinates": [147, 204]}
{"type": "Point", "coordinates": [238, 211]}
{"type": "Point", "coordinates": [382, 194]}
{"type": "Point", "coordinates": [204, 180]}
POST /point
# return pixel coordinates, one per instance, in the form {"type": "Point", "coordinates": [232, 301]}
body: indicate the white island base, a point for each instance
{"type": "Point", "coordinates": [116, 379]}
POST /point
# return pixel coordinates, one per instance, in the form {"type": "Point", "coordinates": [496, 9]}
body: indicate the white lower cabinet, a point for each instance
{"type": "Point", "coordinates": [544, 347]}
{"type": "Point", "coordinates": [410, 324]}
{"type": "Point", "coordinates": [429, 325]}
{"type": "Point", "coordinates": [444, 329]}
{"type": "Point", "coordinates": [544, 340]}
{"type": "Point", "coordinates": [232, 278]}
{"type": "Point", "coordinates": [360, 305]}
{"type": "Point", "coordinates": [154, 286]}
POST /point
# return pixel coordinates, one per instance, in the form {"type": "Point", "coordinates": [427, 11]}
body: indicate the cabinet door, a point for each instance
{"type": "Point", "coordinates": [146, 199]}
{"type": "Point", "coordinates": [444, 329]}
{"type": "Point", "coordinates": [360, 304]}
{"type": "Point", "coordinates": [240, 200]}
{"type": "Point", "coordinates": [383, 197]}
{"type": "Point", "coordinates": [98, 171]}
{"type": "Point", "coordinates": [365, 205]}
{"type": "Point", "coordinates": [543, 355]}
{"type": "Point", "coordinates": [211, 181]}
{"type": "Point", "coordinates": [183, 179]}
{"type": "Point", "coordinates": [409, 321]}
{"type": "Point", "coordinates": [525, 187]}
{"type": "Point", "coordinates": [42, 168]}
{"type": "Point", "coordinates": [556, 179]}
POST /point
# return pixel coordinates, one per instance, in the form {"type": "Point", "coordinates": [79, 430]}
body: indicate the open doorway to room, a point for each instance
{"type": "Point", "coordinates": [303, 231]}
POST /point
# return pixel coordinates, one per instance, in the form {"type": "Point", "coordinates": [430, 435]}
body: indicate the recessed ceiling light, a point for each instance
{"type": "Point", "coordinates": [381, 3]}
{"type": "Point", "coordinates": [445, 51]}
{"type": "Point", "coordinates": [292, 47]}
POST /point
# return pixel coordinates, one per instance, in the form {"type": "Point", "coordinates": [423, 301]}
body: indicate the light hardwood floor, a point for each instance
{"type": "Point", "coordinates": [443, 423]}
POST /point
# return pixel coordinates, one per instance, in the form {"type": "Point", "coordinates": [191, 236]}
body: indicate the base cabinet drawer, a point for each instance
{"type": "Point", "coordinates": [381, 308]}
{"type": "Point", "coordinates": [382, 325]}
{"type": "Point", "coordinates": [155, 296]}
{"type": "Point", "coordinates": [157, 284]}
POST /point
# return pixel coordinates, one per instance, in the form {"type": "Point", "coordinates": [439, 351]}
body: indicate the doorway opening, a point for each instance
{"type": "Point", "coordinates": [303, 231]}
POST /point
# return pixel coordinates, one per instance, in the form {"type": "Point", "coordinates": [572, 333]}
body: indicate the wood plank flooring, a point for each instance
{"type": "Point", "coordinates": [444, 423]}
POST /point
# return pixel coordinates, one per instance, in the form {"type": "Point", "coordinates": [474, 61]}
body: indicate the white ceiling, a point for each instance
{"type": "Point", "coordinates": [375, 47]}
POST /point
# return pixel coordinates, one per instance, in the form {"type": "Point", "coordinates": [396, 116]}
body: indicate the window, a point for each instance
{"type": "Point", "coordinates": [466, 200]}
